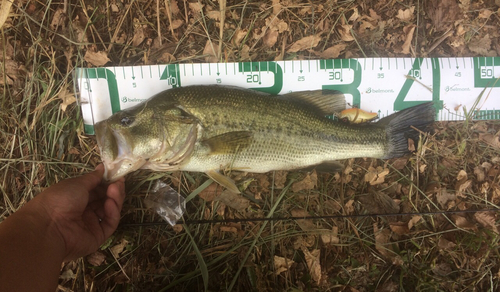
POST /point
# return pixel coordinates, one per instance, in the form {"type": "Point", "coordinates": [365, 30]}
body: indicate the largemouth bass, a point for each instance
{"type": "Point", "coordinates": [213, 128]}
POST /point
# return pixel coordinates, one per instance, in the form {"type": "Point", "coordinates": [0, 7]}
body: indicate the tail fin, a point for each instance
{"type": "Point", "coordinates": [398, 127]}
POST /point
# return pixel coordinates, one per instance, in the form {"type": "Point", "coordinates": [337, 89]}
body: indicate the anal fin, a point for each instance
{"type": "Point", "coordinates": [223, 180]}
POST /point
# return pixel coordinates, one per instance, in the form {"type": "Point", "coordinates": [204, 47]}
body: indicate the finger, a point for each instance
{"type": "Point", "coordinates": [113, 206]}
{"type": "Point", "coordinates": [116, 191]}
{"type": "Point", "coordinates": [92, 179]}
{"type": "Point", "coordinates": [111, 218]}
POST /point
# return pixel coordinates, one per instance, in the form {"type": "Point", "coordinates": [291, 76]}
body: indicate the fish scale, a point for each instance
{"type": "Point", "coordinates": [290, 129]}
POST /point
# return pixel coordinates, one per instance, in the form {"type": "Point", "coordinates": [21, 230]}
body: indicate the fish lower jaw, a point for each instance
{"type": "Point", "coordinates": [119, 168]}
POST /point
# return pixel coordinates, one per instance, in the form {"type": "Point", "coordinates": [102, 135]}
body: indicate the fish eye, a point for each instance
{"type": "Point", "coordinates": [126, 121]}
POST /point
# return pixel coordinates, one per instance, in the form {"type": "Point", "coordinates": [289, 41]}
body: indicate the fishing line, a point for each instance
{"type": "Point", "coordinates": [236, 220]}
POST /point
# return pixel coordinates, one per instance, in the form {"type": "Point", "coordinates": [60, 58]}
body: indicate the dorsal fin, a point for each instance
{"type": "Point", "coordinates": [324, 101]}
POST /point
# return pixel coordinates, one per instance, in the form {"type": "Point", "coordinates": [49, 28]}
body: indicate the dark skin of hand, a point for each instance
{"type": "Point", "coordinates": [66, 221]}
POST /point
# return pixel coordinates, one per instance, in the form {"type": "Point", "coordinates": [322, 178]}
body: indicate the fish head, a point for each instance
{"type": "Point", "coordinates": [127, 140]}
{"type": "Point", "coordinates": [150, 136]}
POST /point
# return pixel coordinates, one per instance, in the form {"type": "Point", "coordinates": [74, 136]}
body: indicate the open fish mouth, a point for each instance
{"type": "Point", "coordinates": [116, 153]}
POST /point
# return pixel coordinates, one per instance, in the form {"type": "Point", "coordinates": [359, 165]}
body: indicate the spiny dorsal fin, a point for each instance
{"type": "Point", "coordinates": [324, 101]}
{"type": "Point", "coordinates": [229, 143]}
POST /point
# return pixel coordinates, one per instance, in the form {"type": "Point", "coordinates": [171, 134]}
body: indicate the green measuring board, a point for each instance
{"type": "Point", "coordinates": [381, 85]}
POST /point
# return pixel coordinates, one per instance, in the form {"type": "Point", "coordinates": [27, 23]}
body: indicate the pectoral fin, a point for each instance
{"type": "Point", "coordinates": [229, 143]}
{"type": "Point", "coordinates": [223, 180]}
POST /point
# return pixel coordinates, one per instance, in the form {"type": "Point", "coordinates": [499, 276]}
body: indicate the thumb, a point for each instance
{"type": "Point", "coordinates": [92, 179]}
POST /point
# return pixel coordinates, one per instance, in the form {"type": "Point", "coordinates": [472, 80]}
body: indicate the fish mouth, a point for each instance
{"type": "Point", "coordinates": [116, 153]}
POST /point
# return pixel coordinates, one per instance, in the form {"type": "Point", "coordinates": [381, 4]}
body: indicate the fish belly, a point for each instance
{"type": "Point", "coordinates": [271, 152]}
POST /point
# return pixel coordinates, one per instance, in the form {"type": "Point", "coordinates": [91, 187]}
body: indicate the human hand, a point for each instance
{"type": "Point", "coordinates": [83, 210]}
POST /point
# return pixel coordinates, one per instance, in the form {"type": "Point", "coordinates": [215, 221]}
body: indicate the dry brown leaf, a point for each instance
{"type": "Point", "coordinates": [442, 269]}
{"type": "Point", "coordinates": [79, 31]}
{"type": "Point", "coordinates": [67, 98]}
{"type": "Point", "coordinates": [382, 241]}
{"type": "Point", "coordinates": [486, 166]}
{"type": "Point", "coordinates": [376, 176]}
{"type": "Point", "coordinates": [313, 263]}
{"type": "Point", "coordinates": [114, 8]}
{"type": "Point", "coordinates": [96, 259]}
{"type": "Point", "coordinates": [276, 7]}
{"type": "Point", "coordinates": [11, 72]}
{"type": "Point", "coordinates": [118, 249]}
{"type": "Point", "coordinates": [330, 236]}
{"type": "Point", "coordinates": [239, 35]}
{"type": "Point", "coordinates": [490, 139]}
{"type": "Point", "coordinates": [245, 53]}
{"type": "Point", "coordinates": [308, 183]}
{"type": "Point", "coordinates": [270, 38]}
{"type": "Point", "coordinates": [215, 15]}
{"type": "Point", "coordinates": [139, 35]}
{"type": "Point", "coordinates": [374, 15]}
{"type": "Point", "coordinates": [354, 16]}
{"type": "Point", "coordinates": [67, 275]}
{"type": "Point", "coordinates": [304, 224]}
{"type": "Point", "coordinates": [5, 11]}
{"type": "Point", "coordinates": [178, 228]}
{"type": "Point", "coordinates": [494, 171]}
{"type": "Point", "coordinates": [231, 229]}
{"type": "Point", "coordinates": [210, 52]}
{"type": "Point", "coordinates": [211, 192]}
{"type": "Point", "coordinates": [174, 8]}
{"type": "Point", "coordinates": [485, 13]}
{"type": "Point", "coordinates": [407, 14]}
{"type": "Point", "coordinates": [409, 38]}
{"type": "Point", "coordinates": [263, 181]}
{"type": "Point", "coordinates": [177, 23]}
{"type": "Point", "coordinates": [282, 264]}
{"type": "Point", "coordinates": [349, 207]}
{"type": "Point", "coordinates": [378, 203]}
{"type": "Point", "coordinates": [480, 174]}
{"type": "Point", "coordinates": [445, 244]}
{"type": "Point", "coordinates": [275, 24]}
{"type": "Point", "coordinates": [463, 187]}
{"type": "Point", "coordinates": [487, 219]}
{"type": "Point", "coordinates": [305, 43]}
{"type": "Point", "coordinates": [481, 46]}
{"type": "Point", "coordinates": [345, 33]}
{"type": "Point", "coordinates": [97, 59]}
{"type": "Point", "coordinates": [400, 163]}
{"type": "Point", "coordinates": [399, 228]}
{"type": "Point", "coordinates": [58, 19]}
{"type": "Point", "coordinates": [462, 222]}
{"type": "Point", "coordinates": [414, 220]}
{"type": "Point", "coordinates": [495, 198]}
{"type": "Point", "coordinates": [462, 175]}
{"type": "Point", "coordinates": [280, 178]}
{"type": "Point", "coordinates": [196, 7]}
{"type": "Point", "coordinates": [333, 51]}
{"type": "Point", "coordinates": [364, 26]}
{"type": "Point", "coordinates": [443, 198]}
{"type": "Point", "coordinates": [443, 13]}
{"type": "Point", "coordinates": [233, 200]}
